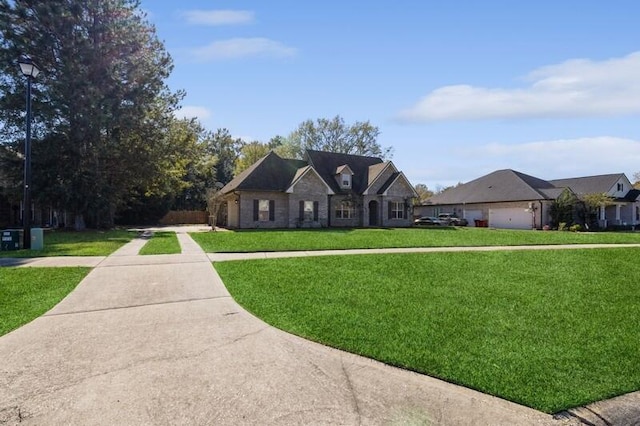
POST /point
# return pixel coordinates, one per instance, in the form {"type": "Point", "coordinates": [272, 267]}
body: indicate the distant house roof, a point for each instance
{"type": "Point", "coordinates": [327, 163]}
{"type": "Point", "coordinates": [501, 185]}
{"type": "Point", "coordinates": [632, 195]}
{"type": "Point", "coordinates": [510, 185]}
{"type": "Point", "coordinates": [589, 184]}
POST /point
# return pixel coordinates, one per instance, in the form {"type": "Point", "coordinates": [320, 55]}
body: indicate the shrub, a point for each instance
{"type": "Point", "coordinates": [575, 228]}
{"type": "Point", "coordinates": [562, 226]}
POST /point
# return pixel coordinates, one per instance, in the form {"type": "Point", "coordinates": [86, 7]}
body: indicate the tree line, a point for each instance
{"type": "Point", "coordinates": [106, 144]}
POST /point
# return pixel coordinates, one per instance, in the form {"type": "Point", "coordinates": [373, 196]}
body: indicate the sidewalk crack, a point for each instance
{"type": "Point", "coordinates": [115, 308]}
{"type": "Point", "coordinates": [354, 397]}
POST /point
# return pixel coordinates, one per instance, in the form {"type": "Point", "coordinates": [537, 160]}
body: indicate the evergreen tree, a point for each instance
{"type": "Point", "coordinates": [101, 108]}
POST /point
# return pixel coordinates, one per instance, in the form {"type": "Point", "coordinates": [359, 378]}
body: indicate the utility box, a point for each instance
{"type": "Point", "coordinates": [37, 239]}
{"type": "Point", "coordinates": [10, 240]}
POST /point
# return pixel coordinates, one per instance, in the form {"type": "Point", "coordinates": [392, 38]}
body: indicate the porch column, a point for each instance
{"type": "Point", "coordinates": [603, 216]}
{"type": "Point", "coordinates": [618, 213]}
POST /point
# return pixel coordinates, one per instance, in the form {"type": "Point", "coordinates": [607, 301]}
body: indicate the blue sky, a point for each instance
{"type": "Point", "coordinates": [458, 88]}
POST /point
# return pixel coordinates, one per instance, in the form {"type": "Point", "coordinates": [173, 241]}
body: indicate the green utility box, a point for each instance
{"type": "Point", "coordinates": [37, 239]}
{"type": "Point", "coordinates": [10, 240]}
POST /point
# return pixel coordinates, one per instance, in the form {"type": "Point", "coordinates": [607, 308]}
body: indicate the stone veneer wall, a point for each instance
{"type": "Point", "coordinates": [309, 188]}
{"type": "Point", "coordinates": [281, 212]}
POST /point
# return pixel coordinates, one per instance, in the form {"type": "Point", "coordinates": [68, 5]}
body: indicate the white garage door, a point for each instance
{"type": "Point", "coordinates": [472, 215]}
{"type": "Point", "coordinates": [515, 218]}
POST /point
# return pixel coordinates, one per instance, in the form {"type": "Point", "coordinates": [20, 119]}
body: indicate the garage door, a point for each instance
{"type": "Point", "coordinates": [515, 218]}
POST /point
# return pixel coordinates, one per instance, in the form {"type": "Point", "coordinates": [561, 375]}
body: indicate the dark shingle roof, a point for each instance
{"type": "Point", "coordinates": [589, 184]}
{"type": "Point", "coordinates": [632, 195]}
{"type": "Point", "coordinates": [326, 164]}
{"type": "Point", "coordinates": [388, 183]}
{"type": "Point", "coordinates": [270, 173]}
{"type": "Point", "coordinates": [501, 185]}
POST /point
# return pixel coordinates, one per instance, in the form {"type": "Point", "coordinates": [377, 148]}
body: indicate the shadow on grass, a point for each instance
{"type": "Point", "coordinates": [12, 261]}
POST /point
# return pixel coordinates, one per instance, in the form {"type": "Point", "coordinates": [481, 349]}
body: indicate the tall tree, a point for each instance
{"type": "Point", "coordinates": [102, 110]}
{"type": "Point", "coordinates": [249, 154]}
{"type": "Point", "coordinates": [424, 193]}
{"type": "Point", "coordinates": [334, 135]}
{"type": "Point", "coordinates": [226, 148]}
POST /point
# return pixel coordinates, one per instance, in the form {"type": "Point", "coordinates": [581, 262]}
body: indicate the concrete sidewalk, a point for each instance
{"type": "Point", "coordinates": [158, 340]}
{"type": "Point", "coordinates": [223, 257]}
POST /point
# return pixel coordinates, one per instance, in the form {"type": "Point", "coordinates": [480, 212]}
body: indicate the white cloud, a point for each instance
{"type": "Point", "coordinates": [237, 48]}
{"type": "Point", "coordinates": [192, 111]}
{"type": "Point", "coordinates": [553, 159]}
{"type": "Point", "coordinates": [219, 17]}
{"type": "Point", "coordinates": [575, 88]}
{"type": "Point", "coordinates": [565, 157]}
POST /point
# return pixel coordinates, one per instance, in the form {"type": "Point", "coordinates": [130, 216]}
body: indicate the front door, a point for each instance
{"type": "Point", "coordinates": [373, 213]}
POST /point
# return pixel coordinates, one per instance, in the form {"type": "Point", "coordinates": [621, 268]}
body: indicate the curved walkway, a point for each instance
{"type": "Point", "coordinates": [159, 340]}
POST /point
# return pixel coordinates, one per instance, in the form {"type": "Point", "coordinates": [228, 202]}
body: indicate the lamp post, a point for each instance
{"type": "Point", "coordinates": [31, 71]}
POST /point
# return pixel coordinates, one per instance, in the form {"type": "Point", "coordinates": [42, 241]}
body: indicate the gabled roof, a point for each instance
{"type": "Point", "coordinates": [589, 184]}
{"type": "Point", "coordinates": [393, 179]}
{"type": "Point", "coordinates": [632, 195]}
{"type": "Point", "coordinates": [273, 173]}
{"type": "Point", "coordinates": [302, 172]}
{"type": "Point", "coordinates": [326, 164]}
{"type": "Point", "coordinates": [344, 169]}
{"type": "Point", "coordinates": [375, 171]}
{"type": "Point", "coordinates": [501, 185]}
{"type": "Point", "coordinates": [553, 193]}
{"type": "Point", "coordinates": [388, 183]}
{"type": "Point", "coordinates": [270, 173]}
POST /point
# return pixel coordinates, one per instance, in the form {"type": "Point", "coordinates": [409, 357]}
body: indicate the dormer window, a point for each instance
{"type": "Point", "coordinates": [620, 187]}
{"type": "Point", "coordinates": [345, 180]}
{"type": "Point", "coordinates": [344, 176]}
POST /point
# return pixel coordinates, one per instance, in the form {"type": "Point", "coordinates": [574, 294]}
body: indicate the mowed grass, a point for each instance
{"type": "Point", "coordinates": [338, 239]}
{"type": "Point", "coordinates": [162, 243]}
{"type": "Point", "coordinates": [27, 293]}
{"type": "Point", "coordinates": [70, 243]}
{"type": "Point", "coordinates": [547, 329]}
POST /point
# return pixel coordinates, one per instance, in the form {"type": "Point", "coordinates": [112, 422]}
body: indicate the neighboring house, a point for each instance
{"type": "Point", "coordinates": [323, 190]}
{"type": "Point", "coordinates": [625, 208]}
{"type": "Point", "coordinates": [510, 199]}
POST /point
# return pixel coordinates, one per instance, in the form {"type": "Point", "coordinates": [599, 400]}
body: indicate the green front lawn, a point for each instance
{"type": "Point", "coordinates": [338, 239]}
{"type": "Point", "coordinates": [162, 243]}
{"type": "Point", "coordinates": [27, 293]}
{"type": "Point", "coordinates": [69, 243]}
{"type": "Point", "coordinates": [547, 329]}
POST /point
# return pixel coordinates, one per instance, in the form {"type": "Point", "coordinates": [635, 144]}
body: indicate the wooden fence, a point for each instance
{"type": "Point", "coordinates": [182, 217]}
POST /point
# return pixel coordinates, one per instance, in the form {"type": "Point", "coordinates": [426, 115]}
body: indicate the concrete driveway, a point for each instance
{"type": "Point", "coordinates": [158, 340]}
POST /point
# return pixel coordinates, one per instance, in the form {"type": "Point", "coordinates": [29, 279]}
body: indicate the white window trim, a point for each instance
{"type": "Point", "coordinates": [397, 210]}
{"type": "Point", "coordinates": [345, 180]}
{"type": "Point", "coordinates": [343, 208]}
{"type": "Point", "coordinates": [263, 214]}
{"type": "Point", "coordinates": [308, 213]}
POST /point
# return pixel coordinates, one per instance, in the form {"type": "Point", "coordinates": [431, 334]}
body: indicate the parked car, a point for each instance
{"type": "Point", "coordinates": [428, 221]}
{"type": "Point", "coordinates": [453, 220]}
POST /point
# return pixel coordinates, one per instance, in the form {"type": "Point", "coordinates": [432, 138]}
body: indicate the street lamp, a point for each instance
{"type": "Point", "coordinates": [31, 71]}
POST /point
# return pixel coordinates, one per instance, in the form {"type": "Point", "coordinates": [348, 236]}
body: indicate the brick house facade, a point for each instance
{"type": "Point", "coordinates": [323, 190]}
